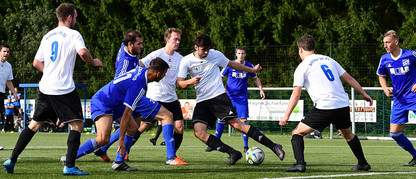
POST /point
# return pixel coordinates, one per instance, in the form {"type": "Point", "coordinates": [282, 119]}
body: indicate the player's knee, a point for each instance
{"type": "Point", "coordinates": [395, 134]}
{"type": "Point", "coordinates": [102, 141]}
{"type": "Point", "coordinates": [179, 129]}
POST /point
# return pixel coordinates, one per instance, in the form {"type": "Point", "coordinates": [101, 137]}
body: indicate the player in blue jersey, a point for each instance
{"type": "Point", "coordinates": [237, 91]}
{"type": "Point", "coordinates": [127, 59]}
{"type": "Point", "coordinates": [123, 100]}
{"type": "Point", "coordinates": [400, 64]}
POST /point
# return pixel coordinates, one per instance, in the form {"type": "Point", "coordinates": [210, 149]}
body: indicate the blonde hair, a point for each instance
{"type": "Point", "coordinates": [392, 33]}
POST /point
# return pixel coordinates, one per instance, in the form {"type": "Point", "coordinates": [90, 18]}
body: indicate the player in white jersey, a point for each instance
{"type": "Point", "coordinates": [57, 95]}
{"type": "Point", "coordinates": [164, 91]}
{"type": "Point", "coordinates": [203, 66]}
{"type": "Point", "coordinates": [321, 76]}
{"type": "Point", "coordinates": [6, 77]}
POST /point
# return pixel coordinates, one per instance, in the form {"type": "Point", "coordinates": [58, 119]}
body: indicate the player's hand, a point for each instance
{"type": "Point", "coordinates": [257, 68]}
{"type": "Point", "coordinates": [262, 95]}
{"type": "Point", "coordinates": [196, 79]}
{"type": "Point", "coordinates": [121, 147]}
{"type": "Point", "coordinates": [283, 121]}
{"type": "Point", "coordinates": [97, 62]}
{"type": "Point", "coordinates": [368, 99]}
{"type": "Point", "coordinates": [16, 98]}
{"type": "Point", "coordinates": [389, 91]}
{"type": "Point", "coordinates": [414, 88]}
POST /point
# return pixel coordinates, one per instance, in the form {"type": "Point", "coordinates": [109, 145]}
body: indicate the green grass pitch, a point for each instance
{"type": "Point", "coordinates": [325, 158]}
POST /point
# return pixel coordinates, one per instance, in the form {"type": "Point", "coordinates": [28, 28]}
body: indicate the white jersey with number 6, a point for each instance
{"type": "Point", "coordinates": [320, 74]}
{"type": "Point", "coordinates": [58, 50]}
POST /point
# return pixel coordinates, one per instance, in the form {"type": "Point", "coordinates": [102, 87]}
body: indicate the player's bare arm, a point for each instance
{"type": "Point", "coordinates": [414, 88]}
{"type": "Point", "coordinates": [10, 85]}
{"type": "Point", "coordinates": [388, 91]}
{"type": "Point", "coordinates": [38, 64]}
{"type": "Point", "coordinates": [260, 86]}
{"type": "Point", "coordinates": [241, 67]}
{"type": "Point", "coordinates": [87, 57]}
{"type": "Point", "coordinates": [294, 98]}
{"type": "Point", "coordinates": [124, 121]}
{"type": "Point", "coordinates": [353, 83]}
{"type": "Point", "coordinates": [182, 83]}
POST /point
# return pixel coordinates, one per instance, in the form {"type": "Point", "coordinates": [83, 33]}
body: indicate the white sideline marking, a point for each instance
{"type": "Point", "coordinates": [348, 175]}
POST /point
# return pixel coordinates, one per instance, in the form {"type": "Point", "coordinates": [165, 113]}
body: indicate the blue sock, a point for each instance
{"type": "Point", "coordinates": [245, 137]}
{"type": "Point", "coordinates": [403, 142]}
{"type": "Point", "coordinates": [219, 129]}
{"type": "Point", "coordinates": [128, 139]}
{"type": "Point", "coordinates": [114, 137]}
{"type": "Point", "coordinates": [167, 131]}
{"type": "Point", "coordinates": [86, 148]}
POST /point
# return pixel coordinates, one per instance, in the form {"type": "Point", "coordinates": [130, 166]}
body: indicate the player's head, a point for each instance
{"type": "Point", "coordinates": [67, 14]}
{"type": "Point", "coordinates": [133, 41]}
{"type": "Point", "coordinates": [203, 44]}
{"type": "Point", "coordinates": [173, 38]}
{"type": "Point", "coordinates": [391, 41]}
{"type": "Point", "coordinates": [4, 52]}
{"type": "Point", "coordinates": [157, 70]}
{"type": "Point", "coordinates": [306, 45]}
{"type": "Point", "coordinates": [240, 52]}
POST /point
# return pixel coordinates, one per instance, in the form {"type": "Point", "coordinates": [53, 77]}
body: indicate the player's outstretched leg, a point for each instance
{"type": "Point", "coordinates": [219, 129]}
{"type": "Point", "coordinates": [245, 138]}
{"type": "Point", "coordinates": [258, 136]}
{"type": "Point", "coordinates": [215, 143]}
{"type": "Point", "coordinates": [404, 142]}
{"type": "Point", "coordinates": [298, 149]}
{"type": "Point", "coordinates": [356, 148]}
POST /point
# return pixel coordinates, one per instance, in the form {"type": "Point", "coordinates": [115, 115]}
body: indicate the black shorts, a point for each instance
{"type": "Point", "coordinates": [318, 119]}
{"type": "Point", "coordinates": [208, 111]}
{"type": "Point", "coordinates": [174, 107]}
{"type": "Point", "coordinates": [2, 102]}
{"type": "Point", "coordinates": [67, 107]}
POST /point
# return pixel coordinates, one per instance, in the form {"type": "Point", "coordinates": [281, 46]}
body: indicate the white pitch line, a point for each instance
{"type": "Point", "coordinates": [347, 175]}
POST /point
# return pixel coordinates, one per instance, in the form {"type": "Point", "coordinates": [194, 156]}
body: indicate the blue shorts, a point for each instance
{"type": "Point", "coordinates": [241, 106]}
{"type": "Point", "coordinates": [400, 112]}
{"type": "Point", "coordinates": [145, 107]}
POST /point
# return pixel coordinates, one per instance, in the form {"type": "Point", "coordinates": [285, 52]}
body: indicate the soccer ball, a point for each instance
{"type": "Point", "coordinates": [254, 156]}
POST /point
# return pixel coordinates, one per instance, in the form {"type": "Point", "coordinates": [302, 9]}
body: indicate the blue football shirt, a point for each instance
{"type": "Point", "coordinates": [402, 73]}
{"type": "Point", "coordinates": [125, 61]}
{"type": "Point", "coordinates": [8, 111]}
{"type": "Point", "coordinates": [237, 81]}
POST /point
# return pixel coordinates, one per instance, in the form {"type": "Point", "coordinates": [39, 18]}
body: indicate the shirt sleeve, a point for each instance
{"type": "Point", "coordinates": [225, 71]}
{"type": "Point", "coordinates": [222, 60]}
{"type": "Point", "coordinates": [382, 71]}
{"type": "Point", "coordinates": [39, 53]}
{"type": "Point", "coordinates": [299, 77]}
{"type": "Point", "coordinates": [183, 68]}
{"type": "Point", "coordinates": [339, 68]}
{"type": "Point", "coordinates": [78, 41]}
{"type": "Point", "coordinates": [147, 59]}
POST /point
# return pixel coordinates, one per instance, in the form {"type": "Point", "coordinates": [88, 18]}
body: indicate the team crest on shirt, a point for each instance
{"type": "Point", "coordinates": [406, 62]}
{"type": "Point", "coordinates": [414, 53]}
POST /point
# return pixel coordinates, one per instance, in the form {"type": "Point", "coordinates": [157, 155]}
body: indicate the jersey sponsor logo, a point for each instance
{"type": "Point", "coordinates": [399, 71]}
{"type": "Point", "coordinates": [240, 75]}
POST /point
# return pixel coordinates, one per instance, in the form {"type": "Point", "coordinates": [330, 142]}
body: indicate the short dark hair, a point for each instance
{"type": "Point", "coordinates": [169, 31]}
{"type": "Point", "coordinates": [131, 36]}
{"type": "Point", "coordinates": [4, 45]}
{"type": "Point", "coordinates": [240, 48]}
{"type": "Point", "coordinates": [158, 64]}
{"type": "Point", "coordinates": [64, 10]}
{"type": "Point", "coordinates": [306, 42]}
{"type": "Point", "coordinates": [204, 41]}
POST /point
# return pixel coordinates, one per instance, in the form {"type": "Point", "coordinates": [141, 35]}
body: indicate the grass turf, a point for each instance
{"type": "Point", "coordinates": [324, 157]}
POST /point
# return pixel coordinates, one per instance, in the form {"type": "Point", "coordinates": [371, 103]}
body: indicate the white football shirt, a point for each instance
{"type": "Point", "coordinates": [164, 90]}
{"type": "Point", "coordinates": [58, 50]}
{"type": "Point", "coordinates": [320, 74]}
{"type": "Point", "coordinates": [5, 74]}
{"type": "Point", "coordinates": [208, 69]}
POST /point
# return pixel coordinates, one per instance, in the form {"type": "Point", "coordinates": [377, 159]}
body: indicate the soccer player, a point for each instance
{"type": "Point", "coordinates": [123, 100]}
{"type": "Point", "coordinates": [237, 91]}
{"type": "Point", "coordinates": [211, 100]}
{"type": "Point", "coordinates": [321, 76]}
{"type": "Point", "coordinates": [400, 64]}
{"type": "Point", "coordinates": [57, 95]}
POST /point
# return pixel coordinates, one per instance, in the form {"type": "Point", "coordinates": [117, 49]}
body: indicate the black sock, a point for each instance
{"type": "Point", "coordinates": [73, 146]}
{"type": "Point", "coordinates": [178, 140]}
{"type": "Point", "coordinates": [21, 143]}
{"type": "Point", "coordinates": [135, 138]}
{"type": "Point", "coordinates": [158, 131]}
{"type": "Point", "coordinates": [298, 149]}
{"type": "Point", "coordinates": [216, 144]}
{"type": "Point", "coordinates": [355, 146]}
{"type": "Point", "coordinates": [255, 134]}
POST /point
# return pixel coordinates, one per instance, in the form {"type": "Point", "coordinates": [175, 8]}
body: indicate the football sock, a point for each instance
{"type": "Point", "coordinates": [245, 137]}
{"type": "Point", "coordinates": [127, 142]}
{"type": "Point", "coordinates": [219, 129]}
{"type": "Point", "coordinates": [21, 143]}
{"type": "Point", "coordinates": [298, 149]}
{"type": "Point", "coordinates": [178, 140]}
{"type": "Point", "coordinates": [216, 144]}
{"type": "Point", "coordinates": [158, 131]}
{"type": "Point", "coordinates": [355, 146]}
{"type": "Point", "coordinates": [136, 137]}
{"type": "Point", "coordinates": [73, 145]}
{"type": "Point", "coordinates": [403, 142]}
{"type": "Point", "coordinates": [167, 130]}
{"type": "Point", "coordinates": [255, 134]}
{"type": "Point", "coordinates": [114, 137]}
{"type": "Point", "coordinates": [87, 147]}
